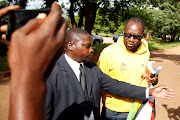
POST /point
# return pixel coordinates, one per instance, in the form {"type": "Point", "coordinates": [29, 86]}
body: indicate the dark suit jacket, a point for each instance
{"type": "Point", "coordinates": [65, 98]}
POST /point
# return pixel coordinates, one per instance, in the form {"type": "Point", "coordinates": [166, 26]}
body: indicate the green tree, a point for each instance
{"type": "Point", "coordinates": [142, 13]}
{"type": "Point", "coordinates": [116, 22]}
{"type": "Point", "coordinates": [120, 29]}
{"type": "Point", "coordinates": [98, 23]}
{"type": "Point", "coordinates": [116, 10]}
{"type": "Point", "coordinates": [4, 4]}
{"type": "Point", "coordinates": [113, 10]}
{"type": "Point", "coordinates": [103, 23]}
{"type": "Point", "coordinates": [167, 20]}
{"type": "Point", "coordinates": [21, 3]}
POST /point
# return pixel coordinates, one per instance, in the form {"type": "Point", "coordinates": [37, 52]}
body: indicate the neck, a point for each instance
{"type": "Point", "coordinates": [74, 58]}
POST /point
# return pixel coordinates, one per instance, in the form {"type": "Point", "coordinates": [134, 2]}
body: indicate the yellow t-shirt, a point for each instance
{"type": "Point", "coordinates": [123, 65]}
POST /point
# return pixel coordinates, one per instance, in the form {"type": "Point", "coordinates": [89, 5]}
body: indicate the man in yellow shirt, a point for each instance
{"type": "Point", "coordinates": [125, 61]}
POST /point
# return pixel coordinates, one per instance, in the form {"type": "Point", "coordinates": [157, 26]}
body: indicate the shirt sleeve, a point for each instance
{"type": "Point", "coordinates": [147, 93]}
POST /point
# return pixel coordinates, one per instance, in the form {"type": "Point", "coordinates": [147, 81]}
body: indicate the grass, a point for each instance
{"type": "Point", "coordinates": [155, 44]}
{"type": "Point", "coordinates": [104, 34]}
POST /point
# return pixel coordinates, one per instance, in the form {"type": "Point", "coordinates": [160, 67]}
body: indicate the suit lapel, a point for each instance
{"type": "Point", "coordinates": [70, 75]}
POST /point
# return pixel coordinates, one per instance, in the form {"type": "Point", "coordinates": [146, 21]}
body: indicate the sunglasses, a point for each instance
{"type": "Point", "coordinates": [127, 35]}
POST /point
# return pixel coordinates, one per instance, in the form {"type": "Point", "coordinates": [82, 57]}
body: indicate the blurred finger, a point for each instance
{"type": "Point", "coordinates": [164, 87]}
{"type": "Point", "coordinates": [169, 96]}
{"type": "Point", "coordinates": [62, 29]}
{"type": "Point", "coordinates": [33, 23]}
{"type": "Point", "coordinates": [3, 28]}
{"type": "Point", "coordinates": [5, 10]}
{"type": "Point", "coordinates": [53, 19]}
{"type": "Point", "coordinates": [3, 36]}
{"type": "Point", "coordinates": [170, 90]}
{"type": "Point", "coordinates": [170, 93]}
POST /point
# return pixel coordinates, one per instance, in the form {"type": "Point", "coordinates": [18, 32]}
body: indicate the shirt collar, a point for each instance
{"type": "Point", "coordinates": [74, 65]}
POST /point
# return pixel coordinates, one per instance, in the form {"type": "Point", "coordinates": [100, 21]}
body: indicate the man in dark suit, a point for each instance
{"type": "Point", "coordinates": [66, 99]}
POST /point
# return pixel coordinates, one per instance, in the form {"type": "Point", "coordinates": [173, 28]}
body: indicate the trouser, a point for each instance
{"type": "Point", "coordinates": [107, 114]}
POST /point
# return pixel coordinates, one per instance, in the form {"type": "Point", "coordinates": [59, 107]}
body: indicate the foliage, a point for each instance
{"type": "Point", "coordinates": [106, 34]}
{"type": "Point", "coordinates": [111, 15]}
{"type": "Point", "coordinates": [99, 48]}
{"type": "Point", "coordinates": [157, 45]}
{"type": "Point", "coordinates": [3, 63]}
{"type": "Point", "coordinates": [142, 14]}
{"type": "Point", "coordinates": [2, 5]}
{"type": "Point", "coordinates": [166, 19]}
{"type": "Point", "coordinates": [116, 25]}
{"type": "Point", "coordinates": [120, 29]}
{"type": "Point", "coordinates": [21, 3]}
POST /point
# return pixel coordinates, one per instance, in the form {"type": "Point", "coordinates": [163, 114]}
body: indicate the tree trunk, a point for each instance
{"type": "Point", "coordinates": [48, 3]}
{"type": "Point", "coordinates": [172, 38]}
{"type": "Point", "coordinates": [90, 13]}
{"type": "Point", "coordinates": [163, 38]}
{"type": "Point", "coordinates": [81, 15]}
{"type": "Point", "coordinates": [71, 14]}
{"type": "Point", "coordinates": [23, 3]}
{"type": "Point", "coordinates": [93, 17]}
{"type": "Point", "coordinates": [148, 35]}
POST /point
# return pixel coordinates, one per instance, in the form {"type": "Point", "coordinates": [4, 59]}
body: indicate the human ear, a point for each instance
{"type": "Point", "coordinates": [71, 46]}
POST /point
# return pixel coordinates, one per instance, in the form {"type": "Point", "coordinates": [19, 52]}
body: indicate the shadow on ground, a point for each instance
{"type": "Point", "coordinates": [172, 112]}
{"type": "Point", "coordinates": [173, 57]}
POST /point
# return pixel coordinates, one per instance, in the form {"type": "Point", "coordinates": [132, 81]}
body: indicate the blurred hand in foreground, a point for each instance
{"type": "Point", "coordinates": [33, 50]}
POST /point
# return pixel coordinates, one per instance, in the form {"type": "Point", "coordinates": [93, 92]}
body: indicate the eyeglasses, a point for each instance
{"type": "Point", "coordinates": [128, 35]}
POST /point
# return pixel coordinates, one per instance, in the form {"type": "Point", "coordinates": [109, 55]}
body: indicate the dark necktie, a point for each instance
{"type": "Point", "coordinates": [83, 81]}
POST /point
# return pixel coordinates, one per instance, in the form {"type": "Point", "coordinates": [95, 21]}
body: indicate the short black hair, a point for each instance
{"type": "Point", "coordinates": [135, 20]}
{"type": "Point", "coordinates": [73, 34]}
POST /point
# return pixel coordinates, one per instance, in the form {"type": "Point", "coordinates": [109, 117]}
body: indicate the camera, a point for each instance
{"type": "Point", "coordinates": [20, 17]}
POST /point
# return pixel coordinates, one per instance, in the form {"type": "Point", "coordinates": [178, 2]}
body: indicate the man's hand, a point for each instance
{"type": "Point", "coordinates": [34, 46]}
{"type": "Point", "coordinates": [33, 51]}
{"type": "Point", "coordinates": [153, 80]}
{"type": "Point", "coordinates": [3, 28]}
{"type": "Point", "coordinates": [161, 92]}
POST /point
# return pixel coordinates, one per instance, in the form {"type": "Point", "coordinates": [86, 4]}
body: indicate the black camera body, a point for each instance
{"type": "Point", "coordinates": [20, 17]}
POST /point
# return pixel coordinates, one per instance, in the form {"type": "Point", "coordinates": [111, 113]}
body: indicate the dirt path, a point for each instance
{"type": "Point", "coordinates": [169, 59]}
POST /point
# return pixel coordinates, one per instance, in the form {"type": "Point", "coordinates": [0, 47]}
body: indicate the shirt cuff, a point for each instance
{"type": "Point", "coordinates": [147, 93]}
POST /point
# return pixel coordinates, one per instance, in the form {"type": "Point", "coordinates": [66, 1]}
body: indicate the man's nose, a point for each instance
{"type": "Point", "coordinates": [131, 39]}
{"type": "Point", "coordinates": [91, 50]}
